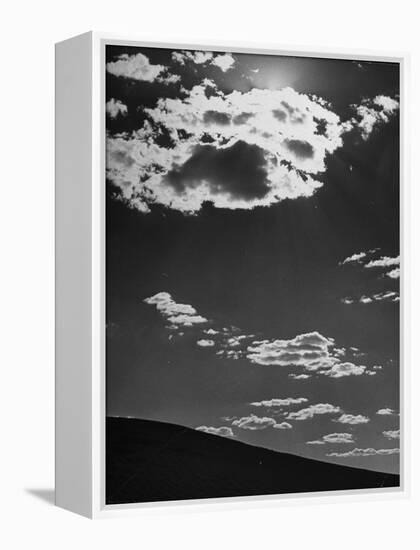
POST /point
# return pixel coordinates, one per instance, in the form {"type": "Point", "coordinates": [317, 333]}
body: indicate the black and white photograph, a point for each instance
{"type": "Point", "coordinates": [252, 274]}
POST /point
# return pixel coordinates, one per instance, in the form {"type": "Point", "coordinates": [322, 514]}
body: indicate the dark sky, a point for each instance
{"type": "Point", "coordinates": [210, 200]}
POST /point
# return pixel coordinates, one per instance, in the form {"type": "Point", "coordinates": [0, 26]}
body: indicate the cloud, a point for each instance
{"type": "Point", "coordinates": [345, 369]}
{"type": "Point", "coordinates": [176, 314]}
{"type": "Point", "coordinates": [312, 410]}
{"type": "Point", "coordinates": [286, 402]}
{"type": "Point", "coordinates": [299, 376]}
{"type": "Point", "coordinates": [366, 452]}
{"type": "Point", "coordinates": [114, 107]}
{"type": "Point", "coordinates": [197, 57]}
{"type": "Point", "coordinates": [394, 273]}
{"type": "Point", "coordinates": [392, 434]}
{"type": "Point", "coordinates": [386, 411]}
{"type": "Point", "coordinates": [372, 113]}
{"type": "Point", "coordinates": [223, 430]}
{"type": "Point", "coordinates": [283, 426]}
{"type": "Point", "coordinates": [352, 419]}
{"type": "Point", "coordinates": [384, 261]}
{"type": "Point", "coordinates": [254, 423]}
{"type": "Point", "coordinates": [340, 438]}
{"type": "Point", "coordinates": [224, 61]}
{"type": "Point", "coordinates": [135, 67]}
{"type": "Point", "coordinates": [205, 343]}
{"type": "Point", "coordinates": [279, 159]}
{"type": "Point", "coordinates": [355, 258]}
{"type": "Point", "coordinates": [386, 296]}
{"type": "Point", "coordinates": [312, 351]}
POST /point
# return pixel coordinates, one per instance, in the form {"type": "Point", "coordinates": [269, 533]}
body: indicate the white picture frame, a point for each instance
{"type": "Point", "coordinates": [80, 275]}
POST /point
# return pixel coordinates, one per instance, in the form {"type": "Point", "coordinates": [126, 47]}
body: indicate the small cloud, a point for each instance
{"type": "Point", "coordinates": [392, 434]}
{"type": "Point", "coordinates": [339, 438]}
{"type": "Point", "coordinates": [224, 62]}
{"type": "Point", "coordinates": [254, 423]}
{"type": "Point", "coordinates": [313, 410]}
{"type": "Point", "coordinates": [283, 426]}
{"type": "Point", "coordinates": [135, 67]}
{"type": "Point", "coordinates": [394, 273]}
{"type": "Point", "coordinates": [366, 452]}
{"type": "Point", "coordinates": [299, 376]}
{"type": "Point", "coordinates": [286, 402]}
{"type": "Point", "coordinates": [385, 411]}
{"type": "Point", "coordinates": [205, 343]}
{"type": "Point", "coordinates": [355, 258]}
{"type": "Point", "coordinates": [372, 113]}
{"type": "Point", "coordinates": [114, 108]}
{"type": "Point", "coordinates": [352, 419]}
{"type": "Point", "coordinates": [224, 431]}
{"type": "Point", "coordinates": [345, 369]}
{"type": "Point", "coordinates": [175, 313]}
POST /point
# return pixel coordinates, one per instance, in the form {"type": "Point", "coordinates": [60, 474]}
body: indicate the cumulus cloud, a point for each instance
{"type": "Point", "coordinates": [196, 56]}
{"type": "Point", "coordinates": [224, 431]}
{"type": "Point", "coordinates": [333, 438]}
{"type": "Point", "coordinates": [345, 369]}
{"type": "Point", "coordinates": [313, 410]}
{"type": "Point", "coordinates": [386, 262]}
{"type": "Point", "coordinates": [372, 113]}
{"type": "Point", "coordinates": [352, 419]}
{"type": "Point", "coordinates": [286, 402]}
{"type": "Point", "coordinates": [283, 426]}
{"type": "Point", "coordinates": [175, 313]}
{"type": "Point", "coordinates": [366, 452]}
{"type": "Point", "coordinates": [385, 411]}
{"type": "Point", "coordinates": [312, 351]}
{"type": "Point", "coordinates": [135, 67]}
{"type": "Point", "coordinates": [299, 376]}
{"type": "Point", "coordinates": [224, 61]}
{"type": "Point", "coordinates": [392, 434]}
{"type": "Point", "coordinates": [114, 108]}
{"type": "Point", "coordinates": [253, 422]}
{"type": "Point", "coordinates": [272, 134]}
{"type": "Point", "coordinates": [354, 258]}
{"type": "Point", "coordinates": [205, 343]}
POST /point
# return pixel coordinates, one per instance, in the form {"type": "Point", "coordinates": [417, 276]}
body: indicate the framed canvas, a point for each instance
{"type": "Point", "coordinates": [228, 262]}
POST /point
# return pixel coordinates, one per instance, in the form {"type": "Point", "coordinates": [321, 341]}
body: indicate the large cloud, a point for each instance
{"type": "Point", "coordinates": [237, 150]}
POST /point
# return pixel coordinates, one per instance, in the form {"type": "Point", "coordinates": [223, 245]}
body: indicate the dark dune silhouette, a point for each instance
{"type": "Point", "coordinates": [148, 461]}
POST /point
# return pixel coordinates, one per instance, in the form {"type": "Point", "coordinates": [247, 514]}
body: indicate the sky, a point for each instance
{"type": "Point", "coordinates": [252, 249]}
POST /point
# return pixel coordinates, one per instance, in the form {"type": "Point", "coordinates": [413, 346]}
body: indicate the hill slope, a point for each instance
{"type": "Point", "coordinates": [153, 461]}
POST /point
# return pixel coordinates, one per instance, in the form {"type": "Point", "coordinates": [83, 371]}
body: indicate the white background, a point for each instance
{"type": "Point", "coordinates": [28, 32]}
